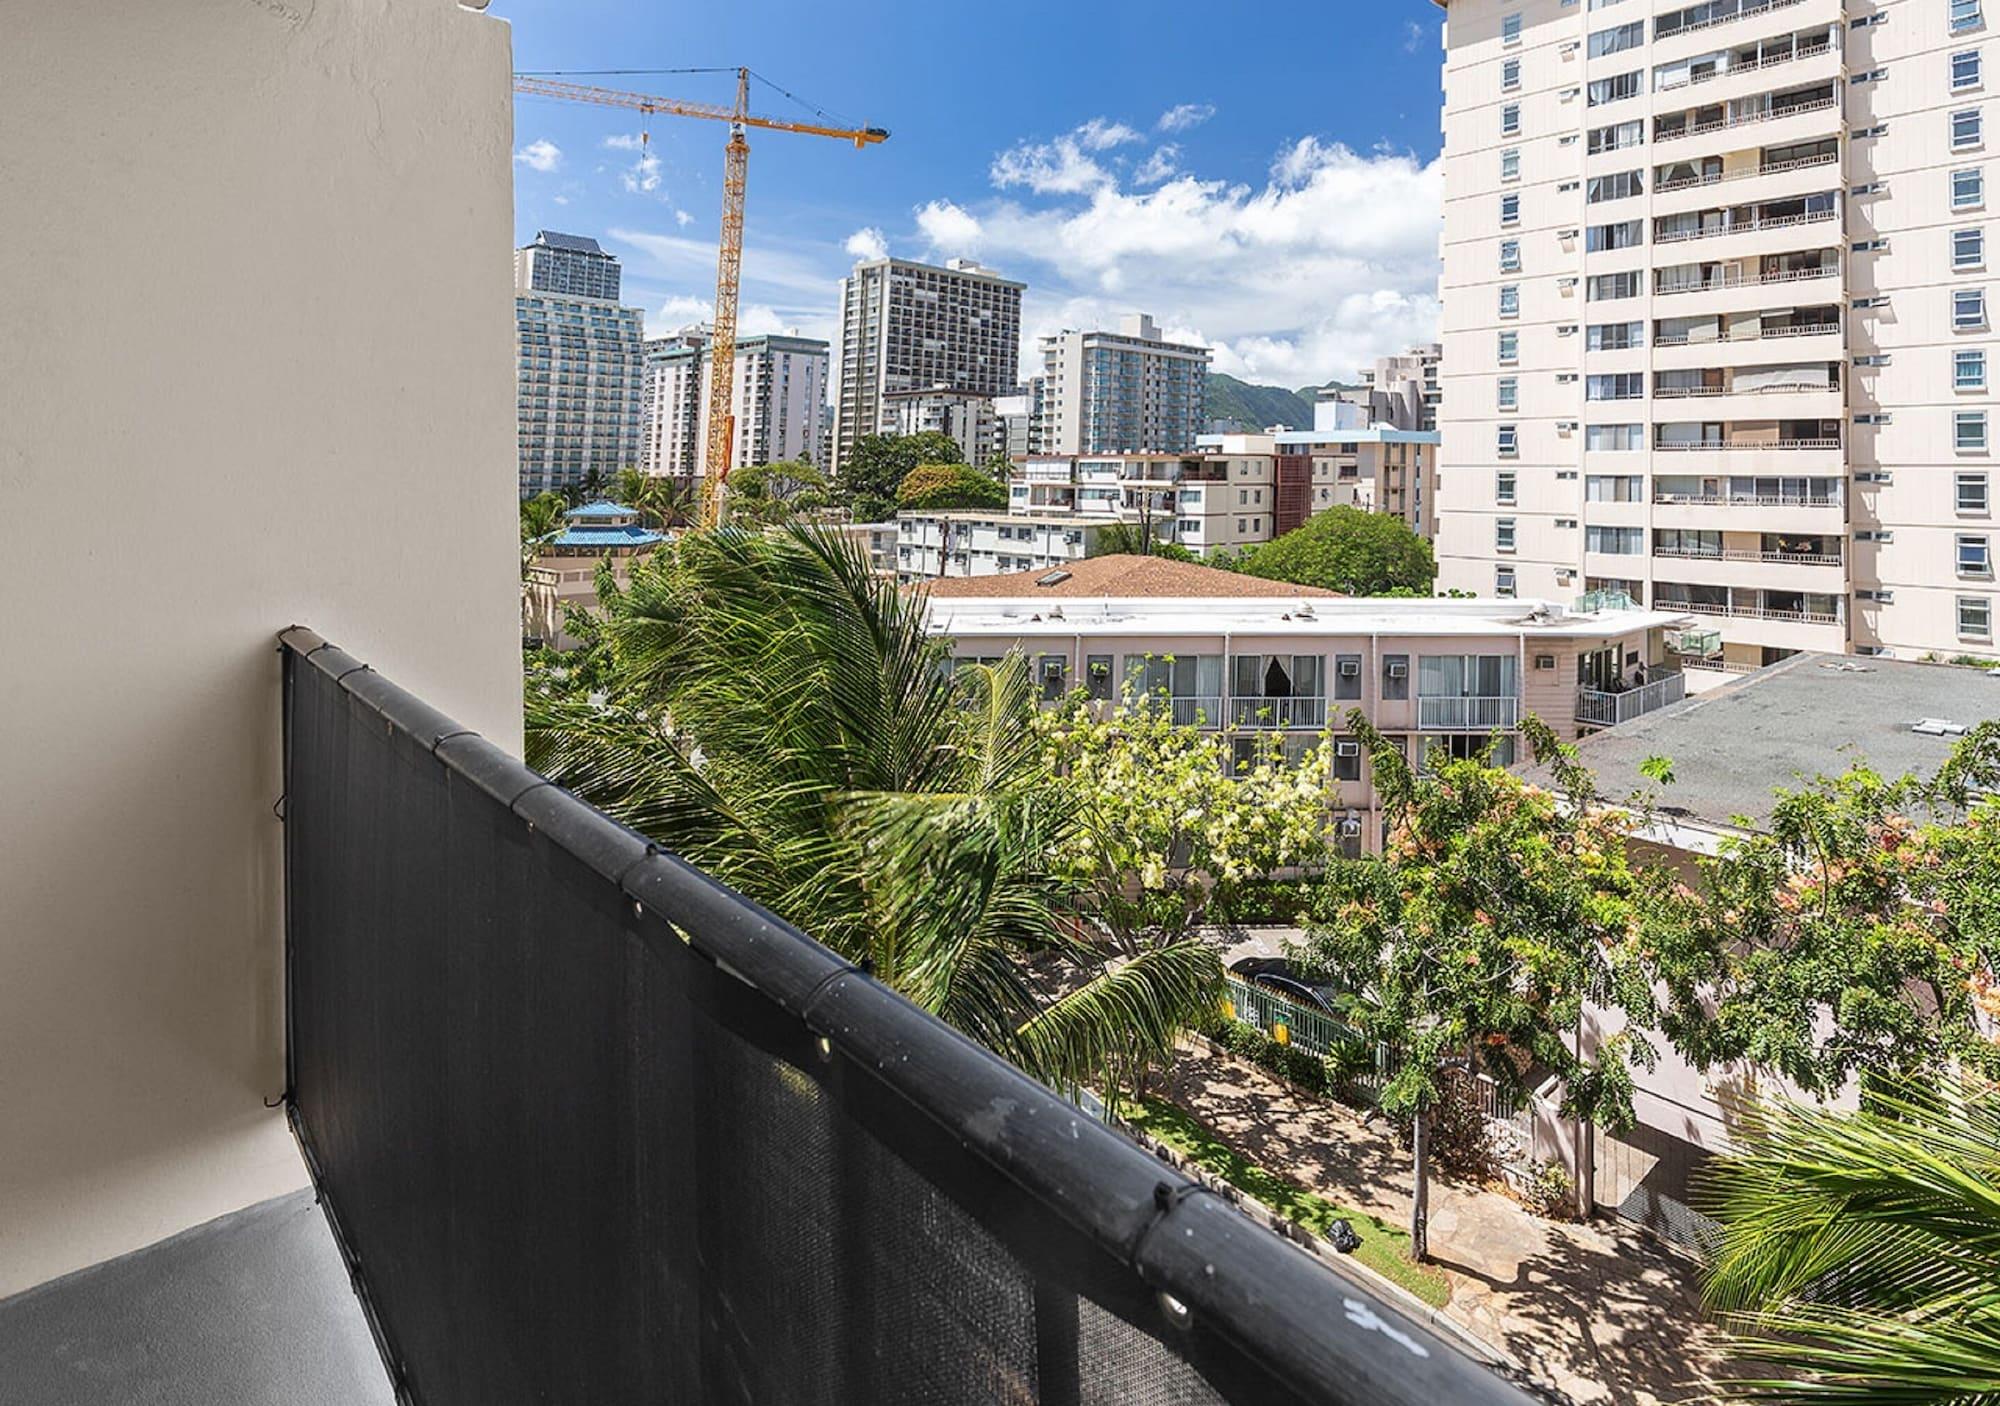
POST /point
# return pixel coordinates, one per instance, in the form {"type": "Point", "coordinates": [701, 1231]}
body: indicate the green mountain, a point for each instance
{"type": "Point", "coordinates": [1255, 407]}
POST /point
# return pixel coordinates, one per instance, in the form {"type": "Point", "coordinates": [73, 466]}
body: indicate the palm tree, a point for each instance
{"type": "Point", "coordinates": [822, 761]}
{"type": "Point", "coordinates": [663, 502]}
{"type": "Point", "coordinates": [541, 515]}
{"type": "Point", "coordinates": [1859, 1252]}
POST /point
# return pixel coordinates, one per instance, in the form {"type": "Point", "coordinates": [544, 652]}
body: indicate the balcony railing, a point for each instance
{"type": "Point", "coordinates": [1744, 120]}
{"type": "Point", "coordinates": [1698, 392]}
{"type": "Point", "coordinates": [1294, 712]}
{"type": "Point", "coordinates": [1755, 500]}
{"type": "Point", "coordinates": [1467, 714]}
{"type": "Point", "coordinates": [1682, 236]}
{"type": "Point", "coordinates": [1743, 12]}
{"type": "Point", "coordinates": [1798, 329]}
{"type": "Point", "coordinates": [1738, 446]}
{"type": "Point", "coordinates": [1696, 80]}
{"type": "Point", "coordinates": [1749, 612]}
{"type": "Point", "coordinates": [1774, 168]}
{"type": "Point", "coordinates": [1748, 554]}
{"type": "Point", "coordinates": [588, 1126]}
{"type": "Point", "coordinates": [1603, 709]}
{"type": "Point", "coordinates": [1737, 280]}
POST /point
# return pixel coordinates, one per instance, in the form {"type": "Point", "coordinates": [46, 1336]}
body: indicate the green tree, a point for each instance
{"type": "Point", "coordinates": [663, 502]}
{"type": "Point", "coordinates": [1130, 539]}
{"type": "Point", "coordinates": [1859, 1252]}
{"type": "Point", "coordinates": [1846, 938]}
{"type": "Point", "coordinates": [541, 516]}
{"type": "Point", "coordinates": [768, 494]}
{"type": "Point", "coordinates": [821, 760]}
{"type": "Point", "coordinates": [1349, 550]}
{"type": "Point", "coordinates": [934, 487]}
{"type": "Point", "coordinates": [1495, 913]}
{"type": "Point", "coordinates": [874, 468]}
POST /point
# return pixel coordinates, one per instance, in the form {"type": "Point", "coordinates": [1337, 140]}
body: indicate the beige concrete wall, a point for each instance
{"type": "Point", "coordinates": [257, 369]}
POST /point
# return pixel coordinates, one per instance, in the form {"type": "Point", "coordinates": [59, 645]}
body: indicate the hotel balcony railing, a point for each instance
{"type": "Point", "coordinates": [1456, 714]}
{"type": "Point", "coordinates": [1749, 554]}
{"type": "Point", "coordinates": [1735, 446]}
{"type": "Point", "coordinates": [1602, 709]}
{"type": "Point", "coordinates": [1259, 711]}
{"type": "Point", "coordinates": [1750, 612]}
{"type": "Point", "coordinates": [1699, 392]}
{"type": "Point", "coordinates": [1746, 119]}
{"type": "Point", "coordinates": [1720, 177]}
{"type": "Point", "coordinates": [1754, 500]}
{"type": "Point", "coordinates": [590, 1127]}
{"type": "Point", "coordinates": [1197, 711]}
{"type": "Point", "coordinates": [1696, 80]}
{"type": "Point", "coordinates": [1811, 217]}
{"type": "Point", "coordinates": [1737, 280]}
{"type": "Point", "coordinates": [1742, 12]}
{"type": "Point", "coordinates": [1799, 329]}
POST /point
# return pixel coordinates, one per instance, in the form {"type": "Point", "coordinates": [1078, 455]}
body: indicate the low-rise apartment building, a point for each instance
{"type": "Point", "coordinates": [564, 573]}
{"type": "Point", "coordinates": [1427, 672]}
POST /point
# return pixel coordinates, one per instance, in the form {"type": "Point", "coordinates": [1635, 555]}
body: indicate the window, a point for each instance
{"type": "Point", "coordinates": [1510, 300]}
{"type": "Point", "coordinates": [1503, 581]}
{"type": "Point", "coordinates": [1975, 617]}
{"type": "Point", "coordinates": [1510, 75]}
{"type": "Point", "coordinates": [1610, 90]}
{"type": "Point", "coordinates": [1974, 557]}
{"type": "Point", "coordinates": [1510, 25]}
{"type": "Point", "coordinates": [1964, 15]}
{"type": "Point", "coordinates": [1968, 370]}
{"type": "Point", "coordinates": [1615, 385]}
{"type": "Point", "coordinates": [1615, 137]}
{"type": "Point", "coordinates": [1346, 677]}
{"type": "Point", "coordinates": [1510, 120]}
{"type": "Point", "coordinates": [1615, 186]}
{"type": "Point", "coordinates": [1507, 392]}
{"type": "Point", "coordinates": [1617, 39]}
{"type": "Point", "coordinates": [1097, 676]}
{"type": "Point", "coordinates": [1395, 676]}
{"type": "Point", "coordinates": [1970, 492]}
{"type": "Point", "coordinates": [1507, 441]}
{"type": "Point", "coordinates": [1510, 164]}
{"type": "Point", "coordinates": [1626, 234]}
{"type": "Point", "coordinates": [1968, 189]}
{"type": "Point", "coordinates": [1968, 431]}
{"type": "Point", "coordinates": [1614, 488]}
{"type": "Point", "coordinates": [1510, 347]}
{"type": "Point", "coordinates": [1615, 336]}
{"type": "Point", "coordinates": [1605, 287]}
{"type": "Point", "coordinates": [1614, 437]}
{"type": "Point", "coordinates": [1510, 256]}
{"type": "Point", "coordinates": [1965, 70]}
{"type": "Point", "coordinates": [1968, 248]}
{"type": "Point", "coordinates": [1615, 541]}
{"type": "Point", "coordinates": [1503, 487]}
{"type": "Point", "coordinates": [1965, 129]}
{"type": "Point", "coordinates": [1510, 209]}
{"type": "Point", "coordinates": [1503, 534]}
{"type": "Point", "coordinates": [1968, 309]}
{"type": "Point", "coordinates": [1873, 75]}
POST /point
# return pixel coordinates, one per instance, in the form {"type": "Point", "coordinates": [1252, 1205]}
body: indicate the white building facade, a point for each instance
{"type": "Point", "coordinates": [1716, 324]}
{"type": "Point", "coordinates": [967, 417]}
{"type": "Point", "coordinates": [779, 393]}
{"type": "Point", "coordinates": [1123, 392]}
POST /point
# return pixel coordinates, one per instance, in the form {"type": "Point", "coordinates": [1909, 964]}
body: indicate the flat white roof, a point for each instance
{"type": "Point", "coordinates": [974, 617]}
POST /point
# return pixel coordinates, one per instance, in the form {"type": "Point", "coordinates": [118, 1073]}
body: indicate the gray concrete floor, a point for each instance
{"type": "Point", "coordinates": [253, 1309]}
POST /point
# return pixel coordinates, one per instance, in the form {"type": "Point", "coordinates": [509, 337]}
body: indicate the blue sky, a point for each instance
{"type": "Point", "coordinates": [1259, 177]}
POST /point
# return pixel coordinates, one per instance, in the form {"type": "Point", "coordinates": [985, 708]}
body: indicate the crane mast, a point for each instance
{"type": "Point", "coordinates": [721, 436]}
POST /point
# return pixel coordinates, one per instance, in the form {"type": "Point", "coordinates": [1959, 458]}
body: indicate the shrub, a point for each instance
{"type": "Point", "coordinates": [1459, 1139]}
{"type": "Point", "coordinates": [938, 487]}
{"type": "Point", "coordinates": [1546, 1189]}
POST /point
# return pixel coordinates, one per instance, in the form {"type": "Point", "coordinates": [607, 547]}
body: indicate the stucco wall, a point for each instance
{"type": "Point", "coordinates": [256, 369]}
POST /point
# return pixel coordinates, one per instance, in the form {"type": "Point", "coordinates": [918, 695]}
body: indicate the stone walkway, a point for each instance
{"type": "Point", "coordinates": [1599, 1313]}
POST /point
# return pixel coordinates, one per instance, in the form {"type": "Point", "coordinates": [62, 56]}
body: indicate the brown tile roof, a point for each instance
{"type": "Point", "coordinates": [1123, 577]}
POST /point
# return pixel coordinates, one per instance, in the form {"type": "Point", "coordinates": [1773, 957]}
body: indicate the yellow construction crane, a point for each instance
{"type": "Point", "coordinates": [729, 255]}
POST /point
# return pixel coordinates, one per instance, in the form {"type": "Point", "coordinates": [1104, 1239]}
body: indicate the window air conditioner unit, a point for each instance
{"type": "Point", "coordinates": [1545, 661]}
{"type": "Point", "coordinates": [1565, 234]}
{"type": "Point", "coordinates": [1347, 749]}
{"type": "Point", "coordinates": [1565, 427]}
{"type": "Point", "coordinates": [1350, 667]}
{"type": "Point", "coordinates": [1399, 670]}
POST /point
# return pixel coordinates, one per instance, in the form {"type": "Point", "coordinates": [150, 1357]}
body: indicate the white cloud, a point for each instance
{"type": "Point", "coordinates": [683, 218]}
{"type": "Point", "coordinates": [752, 319]}
{"type": "Point", "coordinates": [1413, 36]}
{"type": "Point", "coordinates": [1327, 265]}
{"type": "Point", "coordinates": [642, 177]}
{"type": "Point", "coordinates": [1182, 116]}
{"type": "Point", "coordinates": [950, 228]}
{"type": "Point", "coordinates": [625, 141]}
{"type": "Point", "coordinates": [687, 262]}
{"type": "Point", "coordinates": [867, 244]}
{"type": "Point", "coordinates": [1063, 166]}
{"type": "Point", "coordinates": [1164, 162]}
{"type": "Point", "coordinates": [540, 155]}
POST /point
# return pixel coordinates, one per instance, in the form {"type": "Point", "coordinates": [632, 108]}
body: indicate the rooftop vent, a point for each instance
{"type": "Point", "coordinates": [1052, 578]}
{"type": "Point", "coordinates": [1938, 727]}
{"type": "Point", "coordinates": [1848, 666]}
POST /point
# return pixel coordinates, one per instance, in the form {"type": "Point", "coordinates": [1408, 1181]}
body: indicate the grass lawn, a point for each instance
{"type": "Point", "coordinates": [1383, 1249]}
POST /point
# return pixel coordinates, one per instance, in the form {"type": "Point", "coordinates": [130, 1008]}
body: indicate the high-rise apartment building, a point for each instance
{"type": "Point", "coordinates": [579, 364]}
{"type": "Point", "coordinates": [779, 392]}
{"type": "Point", "coordinates": [566, 263]}
{"type": "Point", "coordinates": [1716, 315]}
{"type": "Point", "coordinates": [967, 416]}
{"type": "Point", "coordinates": [1123, 392]}
{"type": "Point", "coordinates": [1401, 392]}
{"type": "Point", "coordinates": [907, 326]}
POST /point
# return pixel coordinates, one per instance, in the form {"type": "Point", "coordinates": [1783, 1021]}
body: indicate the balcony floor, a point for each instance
{"type": "Point", "coordinates": [253, 1309]}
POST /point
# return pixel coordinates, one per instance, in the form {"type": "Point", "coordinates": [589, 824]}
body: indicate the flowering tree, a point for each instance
{"type": "Point", "coordinates": [1497, 910]}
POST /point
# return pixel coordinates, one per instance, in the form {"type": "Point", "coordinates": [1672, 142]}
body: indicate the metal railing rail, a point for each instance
{"type": "Point", "coordinates": [1741, 12]}
{"type": "Point", "coordinates": [1751, 612]}
{"type": "Point", "coordinates": [589, 1126]}
{"type": "Point", "coordinates": [1467, 714]}
{"type": "Point", "coordinates": [1753, 500]}
{"type": "Point", "coordinates": [1682, 236]}
{"type": "Point", "coordinates": [1797, 54]}
{"type": "Point", "coordinates": [1606, 709]}
{"type": "Point", "coordinates": [1733, 447]}
{"type": "Point", "coordinates": [1749, 554]}
{"type": "Point", "coordinates": [1722, 124]}
{"type": "Point", "coordinates": [1710, 285]}
{"type": "Point", "coordinates": [1797, 163]}
{"type": "Point", "coordinates": [1797, 329]}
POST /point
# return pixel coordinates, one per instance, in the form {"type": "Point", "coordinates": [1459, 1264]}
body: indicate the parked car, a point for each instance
{"type": "Point", "coordinates": [1276, 975]}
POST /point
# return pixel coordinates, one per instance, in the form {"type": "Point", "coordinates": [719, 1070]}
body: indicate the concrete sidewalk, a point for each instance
{"type": "Point", "coordinates": [1598, 1313]}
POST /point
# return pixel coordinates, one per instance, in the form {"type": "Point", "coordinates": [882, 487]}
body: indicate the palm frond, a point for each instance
{"type": "Point", "coordinates": [1135, 1009]}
